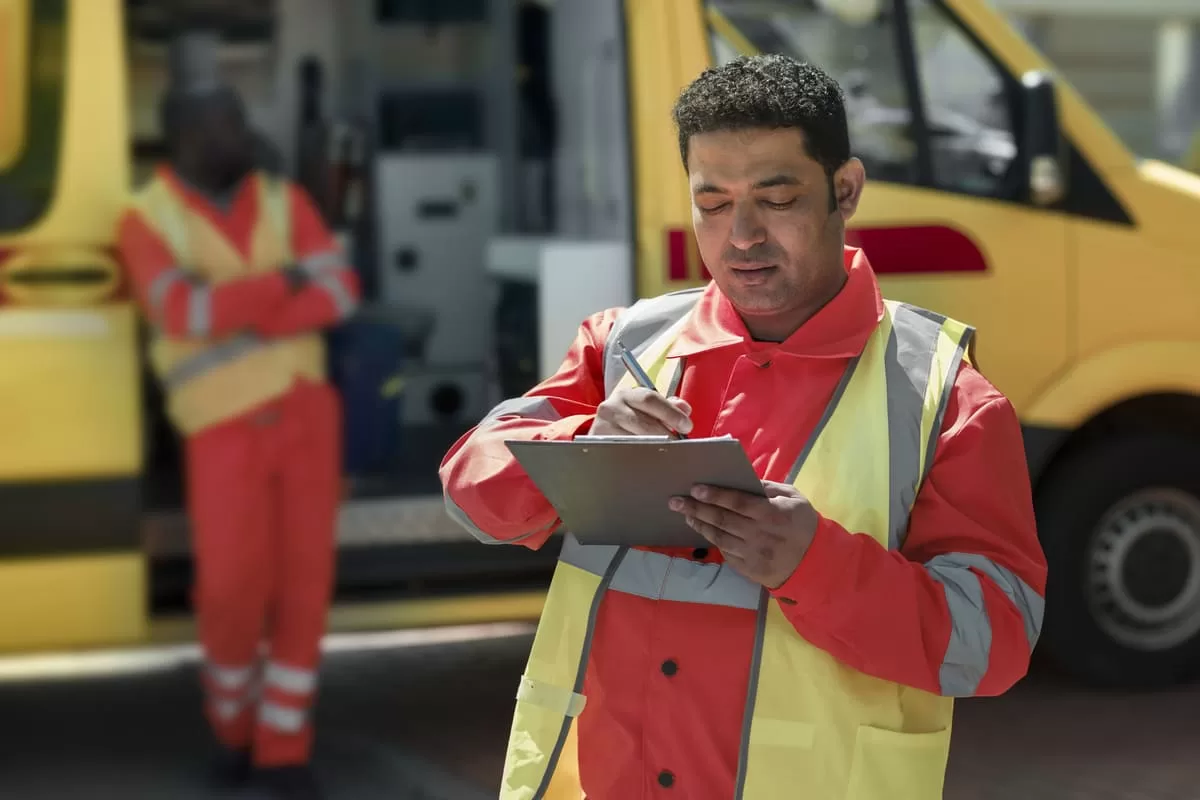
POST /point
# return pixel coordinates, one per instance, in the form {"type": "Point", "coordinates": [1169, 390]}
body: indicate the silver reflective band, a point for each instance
{"type": "Point", "coordinates": [160, 287]}
{"type": "Point", "coordinates": [970, 646]}
{"type": "Point", "coordinates": [226, 709]}
{"type": "Point", "coordinates": [1028, 602]}
{"type": "Point", "coordinates": [281, 718]}
{"type": "Point", "coordinates": [342, 300]}
{"type": "Point", "coordinates": [230, 679]}
{"type": "Point", "coordinates": [640, 325]}
{"type": "Point", "coordinates": [660, 577]}
{"type": "Point", "coordinates": [319, 262]}
{"type": "Point", "coordinates": [211, 358]}
{"type": "Point", "coordinates": [969, 650]}
{"type": "Point", "coordinates": [539, 408]}
{"type": "Point", "coordinates": [290, 679]}
{"type": "Point", "coordinates": [908, 358]}
{"type": "Point", "coordinates": [199, 318]}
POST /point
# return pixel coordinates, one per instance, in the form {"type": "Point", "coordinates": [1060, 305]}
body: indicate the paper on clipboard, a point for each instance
{"type": "Point", "coordinates": [615, 489]}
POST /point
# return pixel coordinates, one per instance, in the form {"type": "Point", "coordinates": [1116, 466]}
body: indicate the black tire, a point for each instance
{"type": "Point", "coordinates": [1087, 631]}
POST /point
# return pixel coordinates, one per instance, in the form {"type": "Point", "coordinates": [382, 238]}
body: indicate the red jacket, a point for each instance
{"type": "Point", "coordinates": [262, 302]}
{"type": "Point", "coordinates": [879, 612]}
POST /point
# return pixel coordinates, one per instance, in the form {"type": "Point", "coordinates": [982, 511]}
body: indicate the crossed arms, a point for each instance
{"type": "Point", "coordinates": [318, 291]}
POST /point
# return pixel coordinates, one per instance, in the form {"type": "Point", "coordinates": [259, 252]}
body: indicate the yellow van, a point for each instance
{"type": "Point", "coordinates": [995, 195]}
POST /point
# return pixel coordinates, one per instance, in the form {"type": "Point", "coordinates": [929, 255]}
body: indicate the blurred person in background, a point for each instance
{"type": "Point", "coordinates": [813, 649]}
{"type": "Point", "coordinates": [237, 274]}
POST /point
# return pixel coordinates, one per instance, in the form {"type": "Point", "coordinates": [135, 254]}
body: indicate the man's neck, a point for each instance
{"type": "Point", "coordinates": [780, 327]}
{"type": "Point", "coordinates": [195, 180]}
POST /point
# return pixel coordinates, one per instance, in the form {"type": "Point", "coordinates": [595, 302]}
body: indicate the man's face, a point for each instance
{"type": "Point", "coordinates": [761, 208]}
{"type": "Point", "coordinates": [225, 143]}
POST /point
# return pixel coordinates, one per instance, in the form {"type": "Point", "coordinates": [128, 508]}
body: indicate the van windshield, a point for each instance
{"type": "Point", "coordinates": [32, 65]}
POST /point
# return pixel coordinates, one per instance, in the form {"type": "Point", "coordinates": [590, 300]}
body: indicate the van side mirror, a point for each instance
{"type": "Point", "coordinates": [1043, 145]}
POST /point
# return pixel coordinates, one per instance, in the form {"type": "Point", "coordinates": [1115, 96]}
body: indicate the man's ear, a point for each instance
{"type": "Point", "coordinates": [848, 184]}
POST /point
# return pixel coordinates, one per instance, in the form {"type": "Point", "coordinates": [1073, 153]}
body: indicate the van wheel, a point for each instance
{"type": "Point", "coordinates": [1120, 524]}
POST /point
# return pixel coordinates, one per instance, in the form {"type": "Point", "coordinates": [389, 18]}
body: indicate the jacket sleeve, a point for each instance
{"type": "Point", "coordinates": [182, 307]}
{"type": "Point", "coordinates": [958, 610]}
{"type": "Point", "coordinates": [332, 293]}
{"type": "Point", "coordinates": [486, 491]}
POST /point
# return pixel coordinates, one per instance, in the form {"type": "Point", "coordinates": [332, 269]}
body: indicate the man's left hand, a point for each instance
{"type": "Point", "coordinates": [296, 277]}
{"type": "Point", "coordinates": [764, 538]}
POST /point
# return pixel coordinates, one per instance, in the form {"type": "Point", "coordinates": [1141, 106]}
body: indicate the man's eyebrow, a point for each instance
{"type": "Point", "coordinates": [708, 188]}
{"type": "Point", "coordinates": [778, 180]}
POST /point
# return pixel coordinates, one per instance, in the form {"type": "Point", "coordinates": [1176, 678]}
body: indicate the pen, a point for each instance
{"type": "Point", "coordinates": [639, 375]}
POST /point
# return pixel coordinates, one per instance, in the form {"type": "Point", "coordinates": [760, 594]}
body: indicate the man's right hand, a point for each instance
{"type": "Point", "coordinates": [641, 412]}
{"type": "Point", "coordinates": [296, 277]}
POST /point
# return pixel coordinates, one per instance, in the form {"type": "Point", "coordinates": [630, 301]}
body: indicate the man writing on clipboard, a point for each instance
{"type": "Point", "coordinates": [814, 649]}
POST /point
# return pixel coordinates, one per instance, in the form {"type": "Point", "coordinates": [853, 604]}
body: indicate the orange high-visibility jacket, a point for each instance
{"type": "Point", "coordinates": [665, 673]}
{"type": "Point", "coordinates": [228, 334]}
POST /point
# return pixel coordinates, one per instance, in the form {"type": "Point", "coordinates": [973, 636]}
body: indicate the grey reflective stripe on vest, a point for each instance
{"type": "Point", "coordinates": [215, 356]}
{"type": "Point", "coordinates": [614, 565]}
{"type": "Point", "coordinates": [764, 597]}
{"type": "Point", "coordinates": [935, 430]}
{"type": "Point", "coordinates": [969, 650]}
{"type": "Point", "coordinates": [660, 577]}
{"type": "Point", "coordinates": [529, 408]}
{"type": "Point", "coordinates": [638, 325]}
{"type": "Point", "coordinates": [909, 355]}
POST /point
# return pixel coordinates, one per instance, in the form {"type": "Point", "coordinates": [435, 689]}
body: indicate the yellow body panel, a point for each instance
{"type": "Point", "coordinates": [14, 24]}
{"type": "Point", "coordinates": [72, 602]}
{"type": "Point", "coordinates": [94, 163]}
{"type": "Point", "coordinates": [68, 394]}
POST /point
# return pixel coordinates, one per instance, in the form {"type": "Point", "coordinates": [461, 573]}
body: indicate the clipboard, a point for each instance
{"type": "Point", "coordinates": [615, 489]}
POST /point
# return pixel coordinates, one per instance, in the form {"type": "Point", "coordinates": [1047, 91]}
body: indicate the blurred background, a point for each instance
{"type": "Point", "coordinates": [499, 169]}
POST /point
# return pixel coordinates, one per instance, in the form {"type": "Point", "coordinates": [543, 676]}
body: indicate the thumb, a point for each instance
{"type": "Point", "coordinates": [681, 404]}
{"type": "Point", "coordinates": [773, 489]}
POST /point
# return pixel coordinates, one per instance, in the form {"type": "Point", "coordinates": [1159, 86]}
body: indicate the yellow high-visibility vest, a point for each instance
{"type": "Point", "coordinates": [814, 727]}
{"type": "Point", "coordinates": [208, 381]}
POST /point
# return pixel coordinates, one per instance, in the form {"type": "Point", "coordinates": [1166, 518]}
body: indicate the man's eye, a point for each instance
{"type": "Point", "coordinates": [781, 206]}
{"type": "Point", "coordinates": [713, 209]}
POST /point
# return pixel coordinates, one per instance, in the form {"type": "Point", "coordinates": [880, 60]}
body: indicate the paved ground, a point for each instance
{"type": "Point", "coordinates": [404, 721]}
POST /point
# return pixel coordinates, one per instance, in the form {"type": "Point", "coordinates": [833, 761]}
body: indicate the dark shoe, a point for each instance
{"type": "Point", "coordinates": [290, 783]}
{"type": "Point", "coordinates": [230, 769]}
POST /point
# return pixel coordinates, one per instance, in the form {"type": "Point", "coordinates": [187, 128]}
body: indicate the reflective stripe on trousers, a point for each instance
{"type": "Point", "coordinates": [230, 690]}
{"type": "Point", "coordinates": [288, 697]}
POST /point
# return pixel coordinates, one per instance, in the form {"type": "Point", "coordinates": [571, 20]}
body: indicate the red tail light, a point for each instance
{"type": "Point", "coordinates": [683, 257]}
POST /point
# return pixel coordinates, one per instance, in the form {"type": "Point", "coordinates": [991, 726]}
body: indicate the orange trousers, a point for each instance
{"type": "Point", "coordinates": [263, 492]}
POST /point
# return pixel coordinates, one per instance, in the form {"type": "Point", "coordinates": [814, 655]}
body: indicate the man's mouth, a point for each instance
{"type": "Point", "coordinates": [753, 271]}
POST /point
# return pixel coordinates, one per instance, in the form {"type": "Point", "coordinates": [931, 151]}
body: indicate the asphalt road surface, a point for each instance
{"type": "Point", "coordinates": [402, 717]}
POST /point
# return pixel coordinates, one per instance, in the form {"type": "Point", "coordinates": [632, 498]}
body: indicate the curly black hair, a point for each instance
{"type": "Point", "coordinates": [768, 91]}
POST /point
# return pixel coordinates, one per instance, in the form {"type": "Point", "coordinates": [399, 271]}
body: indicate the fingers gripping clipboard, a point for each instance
{"type": "Point", "coordinates": [615, 489]}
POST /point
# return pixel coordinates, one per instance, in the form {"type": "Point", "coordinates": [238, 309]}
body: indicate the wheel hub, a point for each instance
{"type": "Point", "coordinates": [1144, 570]}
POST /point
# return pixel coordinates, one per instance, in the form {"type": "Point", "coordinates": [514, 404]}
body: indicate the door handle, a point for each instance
{"type": "Point", "coordinates": [407, 259]}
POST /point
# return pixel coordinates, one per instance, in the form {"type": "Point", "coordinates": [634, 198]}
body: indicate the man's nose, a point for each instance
{"type": "Point", "coordinates": [748, 229]}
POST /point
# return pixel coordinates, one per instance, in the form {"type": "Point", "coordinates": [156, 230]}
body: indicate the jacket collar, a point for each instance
{"type": "Point", "coordinates": [194, 195]}
{"type": "Point", "coordinates": [839, 330]}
